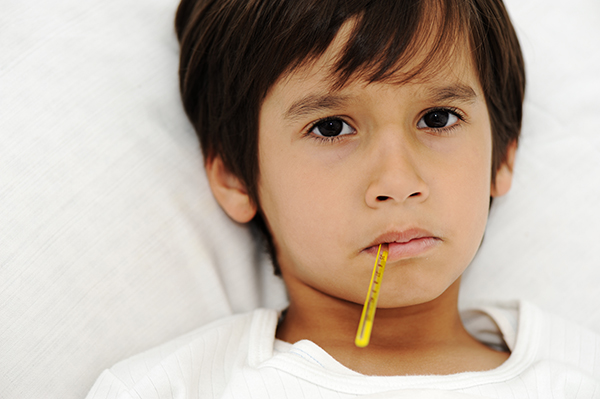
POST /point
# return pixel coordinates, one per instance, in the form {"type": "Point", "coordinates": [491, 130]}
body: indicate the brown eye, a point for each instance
{"type": "Point", "coordinates": [437, 119]}
{"type": "Point", "coordinates": [331, 128]}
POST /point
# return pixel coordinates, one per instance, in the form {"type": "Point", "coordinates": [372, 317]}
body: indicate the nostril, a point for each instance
{"type": "Point", "coordinates": [382, 198]}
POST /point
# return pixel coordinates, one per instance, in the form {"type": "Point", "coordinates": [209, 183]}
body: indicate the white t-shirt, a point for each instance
{"type": "Point", "coordinates": [239, 357]}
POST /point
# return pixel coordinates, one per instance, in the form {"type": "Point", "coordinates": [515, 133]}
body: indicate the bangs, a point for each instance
{"type": "Point", "coordinates": [395, 41]}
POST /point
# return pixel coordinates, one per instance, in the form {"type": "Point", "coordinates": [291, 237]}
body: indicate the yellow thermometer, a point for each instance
{"type": "Point", "coordinates": [365, 326]}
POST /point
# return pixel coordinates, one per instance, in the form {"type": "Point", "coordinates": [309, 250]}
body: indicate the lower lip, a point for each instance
{"type": "Point", "coordinates": [409, 249]}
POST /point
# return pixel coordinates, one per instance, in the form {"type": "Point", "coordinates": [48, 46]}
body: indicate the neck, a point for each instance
{"type": "Point", "coordinates": [324, 319]}
{"type": "Point", "coordinates": [427, 338]}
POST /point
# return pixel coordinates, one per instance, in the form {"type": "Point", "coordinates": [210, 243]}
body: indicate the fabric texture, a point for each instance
{"type": "Point", "coordinates": [239, 357]}
{"type": "Point", "coordinates": [107, 224]}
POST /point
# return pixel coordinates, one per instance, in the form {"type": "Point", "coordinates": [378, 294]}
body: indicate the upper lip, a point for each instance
{"type": "Point", "coordinates": [401, 236]}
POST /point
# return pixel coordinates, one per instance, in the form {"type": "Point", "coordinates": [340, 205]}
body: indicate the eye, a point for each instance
{"type": "Point", "coordinates": [331, 127]}
{"type": "Point", "coordinates": [437, 119]}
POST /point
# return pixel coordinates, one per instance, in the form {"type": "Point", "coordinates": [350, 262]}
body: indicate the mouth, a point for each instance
{"type": "Point", "coordinates": [405, 244]}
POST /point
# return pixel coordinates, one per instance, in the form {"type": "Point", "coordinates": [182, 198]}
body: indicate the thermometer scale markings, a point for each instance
{"type": "Point", "coordinates": [365, 325]}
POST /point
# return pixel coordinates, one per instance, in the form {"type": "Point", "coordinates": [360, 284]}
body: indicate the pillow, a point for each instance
{"type": "Point", "coordinates": [541, 242]}
{"type": "Point", "coordinates": [109, 235]}
{"type": "Point", "coordinates": [111, 242]}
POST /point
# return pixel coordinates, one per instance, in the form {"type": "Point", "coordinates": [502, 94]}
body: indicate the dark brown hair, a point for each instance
{"type": "Point", "coordinates": [234, 51]}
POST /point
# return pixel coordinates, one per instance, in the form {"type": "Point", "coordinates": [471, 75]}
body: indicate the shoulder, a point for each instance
{"type": "Point", "coordinates": [537, 337]}
{"type": "Point", "coordinates": [563, 340]}
{"type": "Point", "coordinates": [550, 356]}
{"type": "Point", "coordinates": [212, 350]}
{"type": "Point", "coordinates": [565, 356]}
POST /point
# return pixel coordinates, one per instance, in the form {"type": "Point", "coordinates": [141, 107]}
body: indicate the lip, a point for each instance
{"type": "Point", "coordinates": [404, 244]}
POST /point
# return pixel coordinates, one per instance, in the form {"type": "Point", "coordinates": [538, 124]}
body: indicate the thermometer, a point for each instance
{"type": "Point", "coordinates": [368, 314]}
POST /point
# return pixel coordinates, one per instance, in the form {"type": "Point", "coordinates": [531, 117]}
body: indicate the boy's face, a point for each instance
{"type": "Point", "coordinates": [406, 163]}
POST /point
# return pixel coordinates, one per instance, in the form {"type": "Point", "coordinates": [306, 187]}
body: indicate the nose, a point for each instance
{"type": "Point", "coordinates": [396, 176]}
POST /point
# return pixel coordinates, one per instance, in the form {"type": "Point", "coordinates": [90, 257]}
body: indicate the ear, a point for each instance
{"type": "Point", "coordinates": [504, 173]}
{"type": "Point", "coordinates": [229, 191]}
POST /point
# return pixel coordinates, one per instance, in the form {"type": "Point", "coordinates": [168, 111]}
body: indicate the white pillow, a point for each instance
{"type": "Point", "coordinates": [110, 241]}
{"type": "Point", "coordinates": [109, 235]}
{"type": "Point", "coordinates": [543, 238]}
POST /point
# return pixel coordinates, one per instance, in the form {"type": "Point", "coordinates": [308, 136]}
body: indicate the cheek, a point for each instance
{"type": "Point", "coordinates": [301, 203]}
{"type": "Point", "coordinates": [469, 206]}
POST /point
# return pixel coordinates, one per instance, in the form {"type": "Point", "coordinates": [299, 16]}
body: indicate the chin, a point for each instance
{"type": "Point", "coordinates": [410, 298]}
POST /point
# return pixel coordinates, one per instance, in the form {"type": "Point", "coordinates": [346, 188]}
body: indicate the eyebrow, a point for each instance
{"type": "Point", "coordinates": [325, 102]}
{"type": "Point", "coordinates": [315, 103]}
{"type": "Point", "coordinates": [456, 92]}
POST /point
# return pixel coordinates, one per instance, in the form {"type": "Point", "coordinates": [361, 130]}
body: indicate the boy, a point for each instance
{"type": "Point", "coordinates": [336, 126]}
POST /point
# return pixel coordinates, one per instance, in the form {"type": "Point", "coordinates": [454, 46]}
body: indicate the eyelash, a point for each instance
{"type": "Point", "coordinates": [442, 130]}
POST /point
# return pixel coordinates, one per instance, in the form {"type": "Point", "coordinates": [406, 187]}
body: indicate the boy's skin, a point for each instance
{"type": "Point", "coordinates": [328, 203]}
